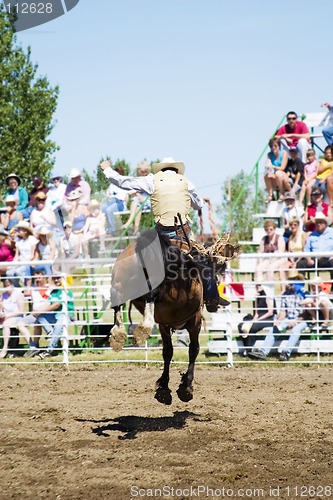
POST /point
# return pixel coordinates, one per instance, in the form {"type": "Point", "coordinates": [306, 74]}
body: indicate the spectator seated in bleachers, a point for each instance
{"type": "Point", "coordinates": [38, 187]}
{"type": "Point", "coordinates": [270, 244]}
{"type": "Point", "coordinates": [11, 217]}
{"type": "Point", "coordinates": [11, 312]}
{"type": "Point", "coordinates": [310, 175]}
{"type": "Point", "coordinates": [295, 170]}
{"type": "Point", "coordinates": [275, 176]}
{"type": "Point", "coordinates": [55, 198]}
{"type": "Point", "coordinates": [138, 200]}
{"type": "Point", "coordinates": [25, 251]}
{"type": "Point", "coordinates": [317, 205]}
{"type": "Point", "coordinates": [263, 317]}
{"type": "Point", "coordinates": [291, 317]}
{"type": "Point", "coordinates": [325, 169]}
{"type": "Point", "coordinates": [7, 250]}
{"type": "Point", "coordinates": [291, 210]}
{"type": "Point", "coordinates": [15, 189]}
{"type": "Point", "coordinates": [77, 214]}
{"type": "Point", "coordinates": [328, 129]}
{"type": "Point", "coordinates": [320, 240]}
{"type": "Point", "coordinates": [77, 184]}
{"type": "Point", "coordinates": [45, 250]}
{"type": "Point", "coordinates": [94, 227]}
{"type": "Point", "coordinates": [296, 240]}
{"type": "Point", "coordinates": [318, 303]}
{"type": "Point", "coordinates": [294, 133]}
{"type": "Point", "coordinates": [39, 297]}
{"type": "Point", "coordinates": [54, 315]}
{"type": "Point", "coordinates": [116, 199]}
{"type": "Point", "coordinates": [42, 215]}
{"type": "Point", "coordinates": [69, 244]}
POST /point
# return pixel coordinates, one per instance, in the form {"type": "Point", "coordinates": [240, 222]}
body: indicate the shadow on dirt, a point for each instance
{"type": "Point", "coordinates": [131, 425]}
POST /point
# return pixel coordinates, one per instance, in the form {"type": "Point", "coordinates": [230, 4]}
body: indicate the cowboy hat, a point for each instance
{"type": "Point", "coordinates": [3, 231]}
{"type": "Point", "coordinates": [11, 199]}
{"type": "Point", "coordinates": [43, 231]}
{"type": "Point", "coordinates": [23, 224]}
{"type": "Point", "coordinates": [169, 162]}
{"type": "Point", "coordinates": [94, 204]}
{"type": "Point", "coordinates": [10, 176]}
{"type": "Point", "coordinates": [74, 195]}
{"type": "Point", "coordinates": [74, 173]}
{"type": "Point", "coordinates": [40, 195]}
{"type": "Point", "coordinates": [322, 216]}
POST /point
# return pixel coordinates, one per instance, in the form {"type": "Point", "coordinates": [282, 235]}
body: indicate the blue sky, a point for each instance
{"type": "Point", "coordinates": [204, 81]}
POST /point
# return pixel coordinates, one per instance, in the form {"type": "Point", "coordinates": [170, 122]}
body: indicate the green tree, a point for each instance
{"type": "Point", "coordinates": [241, 222]}
{"type": "Point", "coordinates": [27, 106]}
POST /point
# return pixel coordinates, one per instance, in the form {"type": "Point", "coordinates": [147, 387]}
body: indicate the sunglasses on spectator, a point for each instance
{"type": "Point", "coordinates": [294, 224]}
{"type": "Point", "coordinates": [291, 118]}
{"type": "Point", "coordinates": [40, 199]}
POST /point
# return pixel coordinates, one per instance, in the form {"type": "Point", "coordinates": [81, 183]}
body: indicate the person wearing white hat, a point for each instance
{"type": "Point", "coordinates": [172, 197]}
{"type": "Point", "coordinates": [15, 189]}
{"type": "Point", "coordinates": [77, 184]}
{"type": "Point", "coordinates": [320, 240]}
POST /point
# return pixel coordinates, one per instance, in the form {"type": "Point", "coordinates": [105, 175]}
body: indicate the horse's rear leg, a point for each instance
{"type": "Point", "coordinates": [118, 332]}
{"type": "Point", "coordinates": [163, 393]}
{"type": "Point", "coordinates": [144, 329]}
{"type": "Point", "coordinates": [185, 389]}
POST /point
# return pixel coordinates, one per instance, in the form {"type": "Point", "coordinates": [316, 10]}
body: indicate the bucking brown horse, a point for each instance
{"type": "Point", "coordinates": [174, 303]}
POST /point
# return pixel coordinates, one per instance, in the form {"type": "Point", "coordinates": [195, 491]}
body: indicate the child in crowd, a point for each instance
{"type": "Point", "coordinates": [325, 168]}
{"type": "Point", "coordinates": [310, 174]}
{"type": "Point", "coordinates": [94, 227]}
{"type": "Point", "coordinates": [295, 170]}
{"type": "Point", "coordinates": [290, 211]}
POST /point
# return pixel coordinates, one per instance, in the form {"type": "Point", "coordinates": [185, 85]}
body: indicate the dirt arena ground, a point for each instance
{"type": "Point", "coordinates": [96, 432]}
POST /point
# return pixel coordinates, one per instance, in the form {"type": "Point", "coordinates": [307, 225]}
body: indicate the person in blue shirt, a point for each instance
{"type": "Point", "coordinates": [320, 240]}
{"type": "Point", "coordinates": [15, 189]}
{"type": "Point", "coordinates": [292, 317]}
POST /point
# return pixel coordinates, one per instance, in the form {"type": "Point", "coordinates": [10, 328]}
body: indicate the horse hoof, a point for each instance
{"type": "Point", "coordinates": [118, 338]}
{"type": "Point", "coordinates": [141, 334]}
{"type": "Point", "coordinates": [163, 396]}
{"type": "Point", "coordinates": [184, 393]}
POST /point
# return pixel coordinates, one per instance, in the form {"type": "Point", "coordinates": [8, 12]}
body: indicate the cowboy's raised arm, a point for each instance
{"type": "Point", "coordinates": [142, 184]}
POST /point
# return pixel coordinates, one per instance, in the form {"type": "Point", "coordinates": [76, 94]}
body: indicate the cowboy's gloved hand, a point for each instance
{"type": "Point", "coordinates": [105, 164]}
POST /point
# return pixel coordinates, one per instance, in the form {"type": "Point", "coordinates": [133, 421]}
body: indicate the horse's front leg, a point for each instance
{"type": "Point", "coordinates": [163, 393]}
{"type": "Point", "coordinates": [144, 329]}
{"type": "Point", "coordinates": [185, 389]}
{"type": "Point", "coordinates": [118, 331]}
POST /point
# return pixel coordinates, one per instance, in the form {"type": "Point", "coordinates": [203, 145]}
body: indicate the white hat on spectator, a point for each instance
{"type": "Point", "coordinates": [74, 173]}
{"type": "Point", "coordinates": [44, 231]}
{"type": "Point", "coordinates": [11, 199]}
{"type": "Point", "coordinates": [3, 231]}
{"type": "Point", "coordinates": [74, 195]}
{"type": "Point", "coordinates": [13, 176]}
{"type": "Point", "coordinates": [23, 224]}
{"type": "Point", "coordinates": [322, 216]}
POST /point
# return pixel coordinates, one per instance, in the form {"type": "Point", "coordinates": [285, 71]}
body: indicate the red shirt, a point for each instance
{"type": "Point", "coordinates": [300, 128]}
{"type": "Point", "coordinates": [6, 254]}
{"type": "Point", "coordinates": [312, 210]}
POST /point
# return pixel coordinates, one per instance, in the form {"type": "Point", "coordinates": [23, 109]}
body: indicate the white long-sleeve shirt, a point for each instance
{"type": "Point", "coordinates": [145, 184]}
